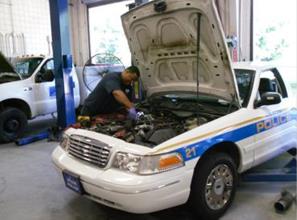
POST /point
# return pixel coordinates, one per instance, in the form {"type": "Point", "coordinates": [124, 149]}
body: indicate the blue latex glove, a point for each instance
{"type": "Point", "coordinates": [132, 114]}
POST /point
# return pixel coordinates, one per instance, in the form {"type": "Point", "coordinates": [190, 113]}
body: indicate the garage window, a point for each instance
{"type": "Point", "coordinates": [106, 31]}
{"type": "Point", "coordinates": [275, 35]}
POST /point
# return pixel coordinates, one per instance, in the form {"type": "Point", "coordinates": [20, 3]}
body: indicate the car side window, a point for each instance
{"type": "Point", "coordinates": [46, 73]}
{"type": "Point", "coordinates": [244, 80]}
{"type": "Point", "coordinates": [271, 88]}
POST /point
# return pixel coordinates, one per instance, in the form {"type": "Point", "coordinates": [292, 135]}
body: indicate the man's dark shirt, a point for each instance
{"type": "Point", "coordinates": [101, 100]}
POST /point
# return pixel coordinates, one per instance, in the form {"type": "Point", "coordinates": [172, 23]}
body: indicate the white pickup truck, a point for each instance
{"type": "Point", "coordinates": [27, 90]}
{"type": "Point", "coordinates": [193, 138]}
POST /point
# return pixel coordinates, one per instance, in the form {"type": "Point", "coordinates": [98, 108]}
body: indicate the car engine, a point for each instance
{"type": "Point", "coordinates": [157, 122]}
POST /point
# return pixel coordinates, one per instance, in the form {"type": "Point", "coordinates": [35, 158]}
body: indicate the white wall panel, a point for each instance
{"type": "Point", "coordinates": [31, 19]}
{"type": "Point", "coordinates": [5, 16]}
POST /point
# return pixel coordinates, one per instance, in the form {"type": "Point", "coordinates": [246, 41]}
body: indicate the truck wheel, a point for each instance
{"type": "Point", "coordinates": [293, 152]}
{"type": "Point", "coordinates": [12, 124]}
{"type": "Point", "coordinates": [213, 186]}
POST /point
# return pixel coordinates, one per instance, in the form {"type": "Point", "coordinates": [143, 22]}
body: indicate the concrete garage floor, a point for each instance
{"type": "Point", "coordinates": [31, 189]}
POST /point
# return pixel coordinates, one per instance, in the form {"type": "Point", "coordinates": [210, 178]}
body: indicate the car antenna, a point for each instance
{"type": "Point", "coordinates": [198, 55]}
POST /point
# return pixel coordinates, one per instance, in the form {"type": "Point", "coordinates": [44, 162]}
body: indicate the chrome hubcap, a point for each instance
{"type": "Point", "coordinates": [219, 186]}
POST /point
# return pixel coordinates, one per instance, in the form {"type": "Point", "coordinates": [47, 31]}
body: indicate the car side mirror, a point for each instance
{"type": "Point", "coordinates": [269, 98]}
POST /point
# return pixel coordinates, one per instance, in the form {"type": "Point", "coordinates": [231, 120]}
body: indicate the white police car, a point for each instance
{"type": "Point", "coordinates": [190, 145]}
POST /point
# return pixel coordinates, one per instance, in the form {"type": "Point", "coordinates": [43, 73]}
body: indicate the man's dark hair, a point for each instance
{"type": "Point", "coordinates": [133, 69]}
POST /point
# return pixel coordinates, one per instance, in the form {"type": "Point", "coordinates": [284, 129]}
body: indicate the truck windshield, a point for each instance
{"type": "Point", "coordinates": [25, 67]}
{"type": "Point", "coordinates": [244, 80]}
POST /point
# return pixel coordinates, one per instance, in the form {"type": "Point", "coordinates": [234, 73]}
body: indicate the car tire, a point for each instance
{"type": "Point", "coordinates": [213, 186]}
{"type": "Point", "coordinates": [292, 152]}
{"type": "Point", "coordinates": [13, 123]}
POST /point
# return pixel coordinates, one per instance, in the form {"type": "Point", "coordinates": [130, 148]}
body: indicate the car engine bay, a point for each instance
{"type": "Point", "coordinates": [158, 121]}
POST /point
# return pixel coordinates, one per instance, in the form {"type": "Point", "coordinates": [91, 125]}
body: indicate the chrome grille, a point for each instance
{"type": "Point", "coordinates": [89, 150]}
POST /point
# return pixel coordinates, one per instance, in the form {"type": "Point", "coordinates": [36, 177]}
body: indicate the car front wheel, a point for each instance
{"type": "Point", "coordinates": [213, 186]}
{"type": "Point", "coordinates": [12, 124]}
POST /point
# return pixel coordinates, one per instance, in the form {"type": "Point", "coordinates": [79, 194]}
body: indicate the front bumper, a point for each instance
{"type": "Point", "coordinates": [128, 191]}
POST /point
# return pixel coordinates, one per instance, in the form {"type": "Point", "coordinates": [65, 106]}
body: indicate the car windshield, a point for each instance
{"type": "Point", "coordinates": [25, 67]}
{"type": "Point", "coordinates": [244, 80]}
{"type": "Point", "coordinates": [187, 101]}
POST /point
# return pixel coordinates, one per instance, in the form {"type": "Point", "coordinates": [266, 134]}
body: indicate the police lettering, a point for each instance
{"type": "Point", "coordinates": [271, 122]}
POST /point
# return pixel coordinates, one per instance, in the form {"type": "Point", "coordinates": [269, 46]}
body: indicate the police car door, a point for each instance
{"type": "Point", "coordinates": [273, 130]}
{"type": "Point", "coordinates": [45, 92]}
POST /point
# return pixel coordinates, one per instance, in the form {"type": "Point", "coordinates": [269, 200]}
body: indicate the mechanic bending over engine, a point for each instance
{"type": "Point", "coordinates": [112, 93]}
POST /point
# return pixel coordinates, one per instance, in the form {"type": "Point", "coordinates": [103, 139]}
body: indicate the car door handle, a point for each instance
{"type": "Point", "coordinates": [27, 89]}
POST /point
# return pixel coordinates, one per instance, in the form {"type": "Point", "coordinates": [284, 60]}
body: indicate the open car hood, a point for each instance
{"type": "Point", "coordinates": [5, 65]}
{"type": "Point", "coordinates": [164, 47]}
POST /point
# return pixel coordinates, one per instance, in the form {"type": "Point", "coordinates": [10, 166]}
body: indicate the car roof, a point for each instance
{"type": "Point", "coordinates": [255, 66]}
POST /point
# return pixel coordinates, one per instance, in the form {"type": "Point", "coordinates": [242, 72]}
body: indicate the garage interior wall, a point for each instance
{"type": "Point", "coordinates": [24, 27]}
{"type": "Point", "coordinates": [236, 18]}
{"type": "Point", "coordinates": [78, 11]}
{"type": "Point", "coordinates": [78, 16]}
{"type": "Point", "coordinates": [245, 32]}
{"type": "Point", "coordinates": [229, 17]}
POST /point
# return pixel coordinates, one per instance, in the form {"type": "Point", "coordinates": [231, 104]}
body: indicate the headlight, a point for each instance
{"type": "Point", "coordinates": [65, 141]}
{"type": "Point", "coordinates": [145, 165]}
